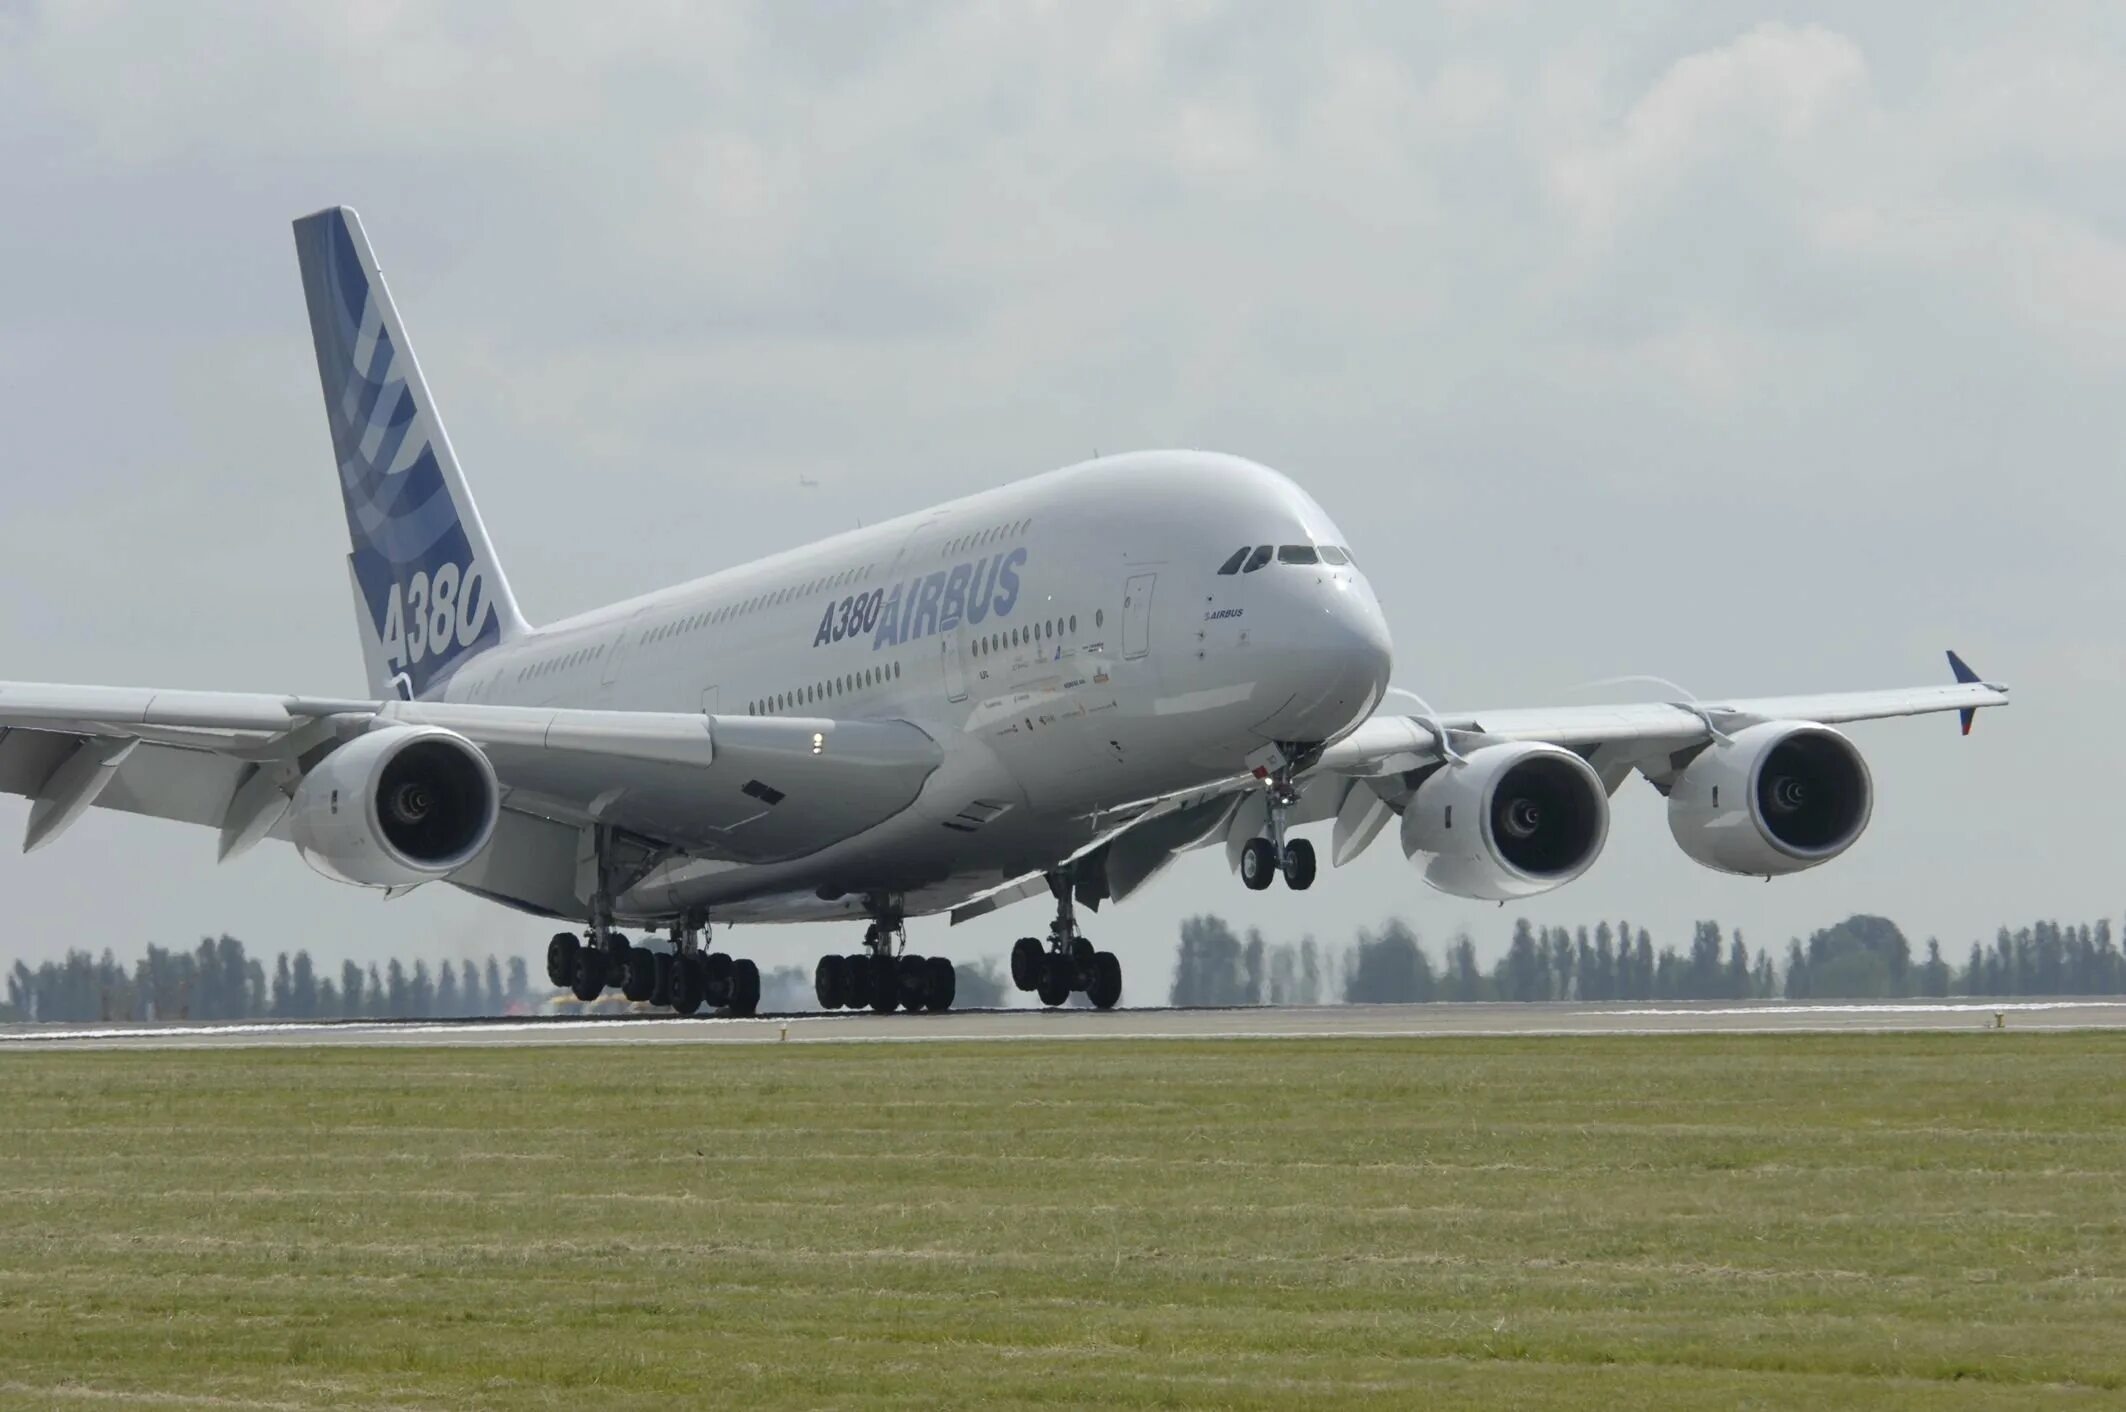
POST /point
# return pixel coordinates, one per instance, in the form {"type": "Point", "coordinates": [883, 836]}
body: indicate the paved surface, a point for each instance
{"type": "Point", "coordinates": [1350, 1021]}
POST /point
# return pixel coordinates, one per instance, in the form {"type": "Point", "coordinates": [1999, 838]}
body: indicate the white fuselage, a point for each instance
{"type": "Point", "coordinates": [1068, 641]}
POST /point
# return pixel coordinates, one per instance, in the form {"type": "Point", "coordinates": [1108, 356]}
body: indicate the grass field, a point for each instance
{"type": "Point", "coordinates": [1922, 1221]}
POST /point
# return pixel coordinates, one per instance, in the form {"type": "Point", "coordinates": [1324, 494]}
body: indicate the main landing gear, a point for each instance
{"type": "Point", "coordinates": [1067, 962]}
{"type": "Point", "coordinates": [883, 980]}
{"type": "Point", "coordinates": [1262, 859]}
{"type": "Point", "coordinates": [683, 979]}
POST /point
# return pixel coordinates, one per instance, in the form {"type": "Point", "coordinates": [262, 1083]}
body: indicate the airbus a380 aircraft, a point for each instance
{"type": "Point", "coordinates": [1048, 689]}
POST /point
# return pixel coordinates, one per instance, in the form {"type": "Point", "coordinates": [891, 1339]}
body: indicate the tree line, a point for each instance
{"type": "Point", "coordinates": [1861, 958]}
{"type": "Point", "coordinates": [219, 980]}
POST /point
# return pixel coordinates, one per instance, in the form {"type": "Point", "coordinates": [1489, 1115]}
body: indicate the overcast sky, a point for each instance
{"type": "Point", "coordinates": [1763, 347]}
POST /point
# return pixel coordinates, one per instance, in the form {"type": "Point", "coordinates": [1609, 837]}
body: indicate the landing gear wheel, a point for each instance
{"type": "Point", "coordinates": [561, 955]}
{"type": "Point", "coordinates": [661, 964]}
{"type": "Point", "coordinates": [745, 987]}
{"type": "Point", "coordinates": [1106, 987]}
{"type": "Point", "coordinates": [885, 984]}
{"type": "Point", "coordinates": [689, 980]}
{"type": "Point", "coordinates": [941, 982]}
{"type": "Point", "coordinates": [1026, 957]}
{"type": "Point", "coordinates": [1299, 865]}
{"type": "Point", "coordinates": [1055, 981]}
{"type": "Point", "coordinates": [1258, 863]}
{"type": "Point", "coordinates": [589, 981]}
{"type": "Point", "coordinates": [616, 950]}
{"type": "Point", "coordinates": [913, 977]}
{"type": "Point", "coordinates": [716, 977]}
{"type": "Point", "coordinates": [638, 982]}
{"type": "Point", "coordinates": [856, 981]}
{"type": "Point", "coordinates": [1081, 963]}
{"type": "Point", "coordinates": [830, 982]}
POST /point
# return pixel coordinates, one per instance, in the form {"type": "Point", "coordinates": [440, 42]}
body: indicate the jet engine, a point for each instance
{"type": "Point", "coordinates": [399, 805]}
{"type": "Point", "coordinates": [1773, 798]}
{"type": "Point", "coordinates": [1510, 821]}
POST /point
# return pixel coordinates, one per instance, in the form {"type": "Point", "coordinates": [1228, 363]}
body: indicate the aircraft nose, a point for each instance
{"type": "Point", "coordinates": [1341, 656]}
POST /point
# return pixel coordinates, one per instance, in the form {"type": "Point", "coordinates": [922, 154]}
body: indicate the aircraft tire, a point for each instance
{"type": "Point", "coordinates": [1258, 864]}
{"type": "Point", "coordinates": [885, 985]}
{"type": "Point", "coordinates": [829, 982]}
{"type": "Point", "coordinates": [745, 987]}
{"type": "Point", "coordinates": [716, 976]}
{"type": "Point", "coordinates": [662, 966]}
{"type": "Point", "coordinates": [1081, 963]}
{"type": "Point", "coordinates": [561, 955]}
{"type": "Point", "coordinates": [589, 981]}
{"type": "Point", "coordinates": [913, 977]}
{"type": "Point", "coordinates": [638, 977]}
{"type": "Point", "coordinates": [1298, 865]}
{"type": "Point", "coordinates": [689, 980]}
{"type": "Point", "coordinates": [1026, 954]}
{"type": "Point", "coordinates": [1055, 981]}
{"type": "Point", "coordinates": [941, 982]}
{"type": "Point", "coordinates": [856, 982]}
{"type": "Point", "coordinates": [1106, 987]}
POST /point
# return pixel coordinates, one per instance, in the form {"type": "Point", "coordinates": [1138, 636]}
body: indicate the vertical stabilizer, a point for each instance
{"type": "Point", "coordinates": [430, 591]}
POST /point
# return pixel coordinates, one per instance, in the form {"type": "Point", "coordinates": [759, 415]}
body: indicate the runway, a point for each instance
{"type": "Point", "coordinates": [1315, 1022]}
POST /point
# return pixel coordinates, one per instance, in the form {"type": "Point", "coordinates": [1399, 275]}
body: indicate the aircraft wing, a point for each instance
{"type": "Point", "coordinates": [1355, 779]}
{"type": "Point", "coordinates": [743, 788]}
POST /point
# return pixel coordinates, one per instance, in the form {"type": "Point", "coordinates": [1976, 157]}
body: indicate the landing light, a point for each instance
{"type": "Point", "coordinates": [819, 742]}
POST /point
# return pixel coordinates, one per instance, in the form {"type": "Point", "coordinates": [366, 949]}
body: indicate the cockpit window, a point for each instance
{"type": "Point", "coordinates": [1297, 554]}
{"type": "Point", "coordinates": [1232, 565]}
{"type": "Point", "coordinates": [1330, 554]}
{"type": "Point", "coordinates": [1256, 560]}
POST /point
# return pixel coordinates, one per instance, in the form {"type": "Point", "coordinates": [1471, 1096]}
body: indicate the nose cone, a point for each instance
{"type": "Point", "coordinates": [1339, 657]}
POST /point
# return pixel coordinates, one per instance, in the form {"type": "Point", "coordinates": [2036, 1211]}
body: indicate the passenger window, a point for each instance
{"type": "Point", "coordinates": [1298, 554]}
{"type": "Point", "coordinates": [1256, 560]}
{"type": "Point", "coordinates": [1232, 565]}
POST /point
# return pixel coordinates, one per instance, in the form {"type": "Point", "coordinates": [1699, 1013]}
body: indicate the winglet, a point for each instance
{"type": "Point", "coordinates": [1967, 677]}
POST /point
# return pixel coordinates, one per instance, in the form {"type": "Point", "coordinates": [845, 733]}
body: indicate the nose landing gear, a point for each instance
{"type": "Point", "coordinates": [1068, 961]}
{"type": "Point", "coordinates": [1262, 859]}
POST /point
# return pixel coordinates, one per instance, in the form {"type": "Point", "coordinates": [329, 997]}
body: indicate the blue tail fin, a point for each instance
{"type": "Point", "coordinates": [431, 591]}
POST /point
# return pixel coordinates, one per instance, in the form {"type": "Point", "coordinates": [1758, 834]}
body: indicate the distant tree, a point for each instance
{"type": "Point", "coordinates": [1208, 969]}
{"type": "Point", "coordinates": [328, 1001]}
{"type": "Point", "coordinates": [470, 1000]}
{"type": "Point", "coordinates": [1462, 978]}
{"type": "Point", "coordinates": [519, 984]}
{"type": "Point", "coordinates": [1934, 975]}
{"type": "Point", "coordinates": [1520, 974]}
{"type": "Point", "coordinates": [378, 1001]}
{"type": "Point", "coordinates": [353, 998]}
{"type": "Point", "coordinates": [980, 986]}
{"type": "Point", "coordinates": [283, 1002]}
{"type": "Point", "coordinates": [398, 994]}
{"type": "Point", "coordinates": [1389, 968]}
{"type": "Point", "coordinates": [421, 992]}
{"type": "Point", "coordinates": [1253, 969]}
{"type": "Point", "coordinates": [1642, 966]}
{"type": "Point", "coordinates": [1309, 989]}
{"type": "Point", "coordinates": [446, 1001]}
{"type": "Point", "coordinates": [497, 997]}
{"type": "Point", "coordinates": [302, 988]}
{"type": "Point", "coordinates": [1737, 986]}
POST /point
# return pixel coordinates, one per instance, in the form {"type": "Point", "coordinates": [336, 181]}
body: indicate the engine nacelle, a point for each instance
{"type": "Point", "coordinates": [1513, 821]}
{"type": "Point", "coordinates": [1774, 798]}
{"type": "Point", "coordinates": [398, 805]}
